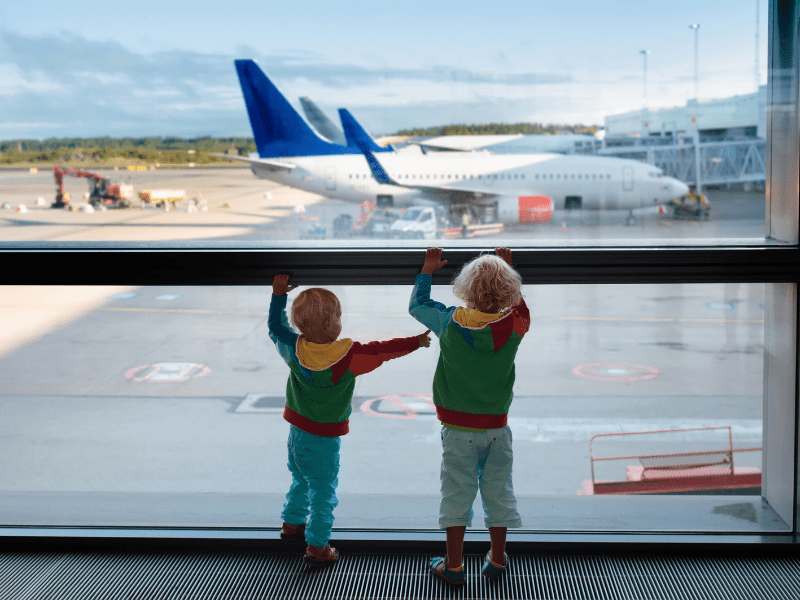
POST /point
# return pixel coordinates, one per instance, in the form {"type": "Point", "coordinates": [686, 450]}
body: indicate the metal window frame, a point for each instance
{"type": "Point", "coordinates": [775, 263]}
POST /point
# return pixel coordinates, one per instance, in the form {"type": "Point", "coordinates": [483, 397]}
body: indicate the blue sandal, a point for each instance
{"type": "Point", "coordinates": [451, 576]}
{"type": "Point", "coordinates": [491, 569]}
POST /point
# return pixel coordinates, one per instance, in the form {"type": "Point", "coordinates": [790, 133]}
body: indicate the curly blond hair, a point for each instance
{"type": "Point", "coordinates": [489, 284]}
{"type": "Point", "coordinates": [312, 308]}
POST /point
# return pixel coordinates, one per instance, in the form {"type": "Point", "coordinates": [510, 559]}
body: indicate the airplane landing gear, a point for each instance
{"type": "Point", "coordinates": [631, 220]}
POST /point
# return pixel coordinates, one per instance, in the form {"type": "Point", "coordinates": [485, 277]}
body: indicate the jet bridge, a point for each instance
{"type": "Point", "coordinates": [720, 163]}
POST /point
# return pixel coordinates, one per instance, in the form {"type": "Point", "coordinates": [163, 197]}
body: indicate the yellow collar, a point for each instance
{"type": "Point", "coordinates": [319, 357]}
{"type": "Point", "coordinates": [475, 319]}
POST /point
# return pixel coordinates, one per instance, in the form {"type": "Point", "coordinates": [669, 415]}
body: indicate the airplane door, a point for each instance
{"type": "Point", "coordinates": [627, 179]}
{"type": "Point", "coordinates": [330, 178]}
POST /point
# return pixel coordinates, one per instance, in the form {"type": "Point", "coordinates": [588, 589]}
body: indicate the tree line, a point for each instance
{"type": "Point", "coordinates": [202, 150]}
{"type": "Point", "coordinates": [102, 150]}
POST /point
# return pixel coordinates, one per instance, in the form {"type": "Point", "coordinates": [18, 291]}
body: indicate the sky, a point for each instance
{"type": "Point", "coordinates": [155, 68]}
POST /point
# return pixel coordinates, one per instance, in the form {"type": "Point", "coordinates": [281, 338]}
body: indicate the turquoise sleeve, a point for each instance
{"type": "Point", "coordinates": [433, 315]}
{"type": "Point", "coordinates": [280, 332]}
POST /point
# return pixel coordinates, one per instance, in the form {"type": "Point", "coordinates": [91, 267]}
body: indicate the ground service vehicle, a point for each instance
{"type": "Point", "coordinates": [416, 222]}
{"type": "Point", "coordinates": [101, 191]}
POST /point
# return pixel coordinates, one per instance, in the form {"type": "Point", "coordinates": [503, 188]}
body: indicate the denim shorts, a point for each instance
{"type": "Point", "coordinates": [473, 461]}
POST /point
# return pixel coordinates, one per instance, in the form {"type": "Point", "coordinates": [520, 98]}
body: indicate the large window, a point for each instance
{"type": "Point", "coordinates": [548, 131]}
{"type": "Point", "coordinates": [157, 399]}
{"type": "Point", "coordinates": [140, 388]}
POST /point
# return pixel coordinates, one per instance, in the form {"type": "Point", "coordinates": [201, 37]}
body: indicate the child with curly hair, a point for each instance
{"type": "Point", "coordinates": [472, 391]}
{"type": "Point", "coordinates": [319, 391]}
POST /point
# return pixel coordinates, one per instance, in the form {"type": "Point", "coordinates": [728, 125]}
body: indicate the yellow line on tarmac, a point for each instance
{"type": "Point", "coordinates": [658, 320]}
{"type": "Point", "coordinates": [191, 311]}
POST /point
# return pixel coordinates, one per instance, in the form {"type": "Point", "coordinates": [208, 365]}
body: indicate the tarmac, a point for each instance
{"type": "Point", "coordinates": [230, 205]}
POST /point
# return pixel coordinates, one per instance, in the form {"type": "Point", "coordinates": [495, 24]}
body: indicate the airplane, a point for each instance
{"type": "Point", "coordinates": [510, 188]}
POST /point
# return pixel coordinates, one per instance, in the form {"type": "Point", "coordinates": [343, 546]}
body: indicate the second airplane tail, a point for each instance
{"type": "Point", "coordinates": [278, 128]}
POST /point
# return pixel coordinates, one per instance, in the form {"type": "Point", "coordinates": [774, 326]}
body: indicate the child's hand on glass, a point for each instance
{"type": "Point", "coordinates": [280, 285]}
{"type": "Point", "coordinates": [433, 261]}
{"type": "Point", "coordinates": [424, 339]}
{"type": "Point", "coordinates": [504, 253]}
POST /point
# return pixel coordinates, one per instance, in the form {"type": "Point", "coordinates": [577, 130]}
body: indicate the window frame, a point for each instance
{"type": "Point", "coordinates": [775, 264]}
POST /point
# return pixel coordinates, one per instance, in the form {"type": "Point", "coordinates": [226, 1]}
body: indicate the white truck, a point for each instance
{"type": "Point", "coordinates": [416, 222]}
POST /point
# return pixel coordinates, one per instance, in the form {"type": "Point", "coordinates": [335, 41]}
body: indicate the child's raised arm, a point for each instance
{"type": "Point", "coordinates": [430, 313]}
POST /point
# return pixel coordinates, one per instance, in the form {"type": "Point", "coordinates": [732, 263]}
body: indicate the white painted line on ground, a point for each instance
{"type": "Point", "coordinates": [248, 405]}
{"type": "Point", "coordinates": [744, 431]}
{"type": "Point", "coordinates": [168, 297]}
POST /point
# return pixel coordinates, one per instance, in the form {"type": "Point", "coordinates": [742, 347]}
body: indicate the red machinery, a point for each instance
{"type": "Point", "coordinates": [101, 190]}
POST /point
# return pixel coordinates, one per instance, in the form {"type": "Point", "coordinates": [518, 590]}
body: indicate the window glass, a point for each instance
{"type": "Point", "coordinates": [156, 143]}
{"type": "Point", "coordinates": [163, 398]}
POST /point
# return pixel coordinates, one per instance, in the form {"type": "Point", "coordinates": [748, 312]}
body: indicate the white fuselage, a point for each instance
{"type": "Point", "coordinates": [572, 182]}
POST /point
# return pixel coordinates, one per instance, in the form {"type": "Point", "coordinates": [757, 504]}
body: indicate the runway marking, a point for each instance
{"type": "Point", "coordinates": [410, 414]}
{"type": "Point", "coordinates": [550, 429]}
{"type": "Point", "coordinates": [167, 372]}
{"type": "Point", "coordinates": [661, 320]}
{"type": "Point", "coordinates": [168, 297]}
{"type": "Point", "coordinates": [209, 311]}
{"type": "Point", "coordinates": [615, 372]}
{"type": "Point", "coordinates": [189, 311]}
{"type": "Point", "coordinates": [249, 405]}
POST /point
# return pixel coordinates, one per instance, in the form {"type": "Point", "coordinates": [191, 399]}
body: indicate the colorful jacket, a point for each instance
{"type": "Point", "coordinates": [474, 379]}
{"type": "Point", "coordinates": [323, 376]}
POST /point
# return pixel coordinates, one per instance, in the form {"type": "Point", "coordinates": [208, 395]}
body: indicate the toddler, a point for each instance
{"type": "Point", "coordinates": [472, 391]}
{"type": "Point", "coordinates": [319, 391]}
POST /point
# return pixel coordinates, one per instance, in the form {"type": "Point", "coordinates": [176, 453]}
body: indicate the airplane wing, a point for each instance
{"type": "Point", "coordinates": [267, 162]}
{"type": "Point", "coordinates": [464, 143]}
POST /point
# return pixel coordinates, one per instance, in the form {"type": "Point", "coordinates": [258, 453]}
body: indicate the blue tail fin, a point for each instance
{"type": "Point", "coordinates": [278, 129]}
{"type": "Point", "coordinates": [355, 134]}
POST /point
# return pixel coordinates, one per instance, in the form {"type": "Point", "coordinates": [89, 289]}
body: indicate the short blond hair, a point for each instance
{"type": "Point", "coordinates": [312, 308]}
{"type": "Point", "coordinates": [489, 284]}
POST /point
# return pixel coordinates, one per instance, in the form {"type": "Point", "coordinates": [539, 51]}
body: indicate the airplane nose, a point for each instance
{"type": "Point", "coordinates": [679, 188]}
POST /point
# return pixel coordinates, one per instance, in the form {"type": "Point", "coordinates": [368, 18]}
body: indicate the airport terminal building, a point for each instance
{"type": "Point", "coordinates": [729, 132]}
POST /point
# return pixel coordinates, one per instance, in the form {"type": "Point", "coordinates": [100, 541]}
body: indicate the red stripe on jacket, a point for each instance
{"type": "Point", "coordinates": [309, 426]}
{"type": "Point", "coordinates": [475, 421]}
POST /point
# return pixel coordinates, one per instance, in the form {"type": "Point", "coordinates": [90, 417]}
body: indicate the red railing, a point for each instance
{"type": "Point", "coordinates": [678, 472]}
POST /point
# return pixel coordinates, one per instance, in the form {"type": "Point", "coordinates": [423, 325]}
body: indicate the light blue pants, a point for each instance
{"type": "Point", "coordinates": [473, 461]}
{"type": "Point", "coordinates": [314, 465]}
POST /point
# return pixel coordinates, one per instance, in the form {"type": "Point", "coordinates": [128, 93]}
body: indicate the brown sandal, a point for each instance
{"type": "Point", "coordinates": [321, 557]}
{"type": "Point", "coordinates": [293, 532]}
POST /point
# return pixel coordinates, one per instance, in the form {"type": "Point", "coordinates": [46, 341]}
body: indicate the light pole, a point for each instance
{"type": "Point", "coordinates": [696, 27]}
{"type": "Point", "coordinates": [698, 183]}
{"type": "Point", "coordinates": [757, 68]}
{"type": "Point", "coordinates": [644, 54]}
